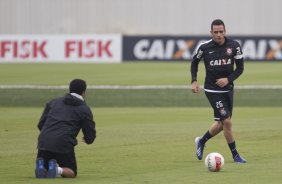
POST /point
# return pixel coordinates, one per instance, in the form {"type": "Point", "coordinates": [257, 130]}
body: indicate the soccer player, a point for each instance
{"type": "Point", "coordinates": [59, 125]}
{"type": "Point", "coordinates": [219, 55]}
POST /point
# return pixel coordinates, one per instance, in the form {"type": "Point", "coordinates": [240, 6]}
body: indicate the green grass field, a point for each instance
{"type": "Point", "coordinates": [129, 74]}
{"type": "Point", "coordinates": [139, 143]}
{"type": "Point", "coordinates": [139, 73]}
{"type": "Point", "coordinates": [150, 145]}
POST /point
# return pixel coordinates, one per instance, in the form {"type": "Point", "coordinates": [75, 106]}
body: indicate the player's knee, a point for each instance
{"type": "Point", "coordinates": [219, 125]}
{"type": "Point", "coordinates": [227, 122]}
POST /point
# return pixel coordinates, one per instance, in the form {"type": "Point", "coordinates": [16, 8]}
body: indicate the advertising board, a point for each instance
{"type": "Point", "coordinates": [181, 48]}
{"type": "Point", "coordinates": [60, 48]}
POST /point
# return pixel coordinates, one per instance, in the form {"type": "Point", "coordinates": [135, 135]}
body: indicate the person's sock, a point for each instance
{"type": "Point", "coordinates": [60, 171]}
{"type": "Point", "coordinates": [206, 137]}
{"type": "Point", "coordinates": [233, 149]}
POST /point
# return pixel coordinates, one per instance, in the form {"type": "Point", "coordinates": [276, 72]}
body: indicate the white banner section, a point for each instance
{"type": "Point", "coordinates": [90, 48]}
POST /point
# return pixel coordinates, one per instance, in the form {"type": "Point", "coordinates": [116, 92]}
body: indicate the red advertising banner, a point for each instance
{"type": "Point", "coordinates": [60, 48]}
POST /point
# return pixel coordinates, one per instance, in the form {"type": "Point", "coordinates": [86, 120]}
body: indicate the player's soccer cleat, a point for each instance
{"type": "Point", "coordinates": [40, 171]}
{"type": "Point", "coordinates": [199, 148]}
{"type": "Point", "coordinates": [52, 170]}
{"type": "Point", "coordinates": [239, 159]}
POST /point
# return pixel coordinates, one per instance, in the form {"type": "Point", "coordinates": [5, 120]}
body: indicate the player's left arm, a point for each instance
{"type": "Point", "coordinates": [88, 127]}
{"type": "Point", "coordinates": [239, 62]}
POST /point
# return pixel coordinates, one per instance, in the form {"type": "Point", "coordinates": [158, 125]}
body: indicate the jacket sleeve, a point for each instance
{"type": "Point", "coordinates": [88, 128]}
{"type": "Point", "coordinates": [194, 64]}
{"type": "Point", "coordinates": [239, 61]}
{"type": "Point", "coordinates": [43, 116]}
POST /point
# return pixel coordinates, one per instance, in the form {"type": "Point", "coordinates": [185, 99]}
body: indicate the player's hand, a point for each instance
{"type": "Point", "coordinates": [195, 87]}
{"type": "Point", "coordinates": [222, 82]}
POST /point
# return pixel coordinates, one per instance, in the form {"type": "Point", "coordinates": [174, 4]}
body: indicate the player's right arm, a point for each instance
{"type": "Point", "coordinates": [195, 87]}
{"type": "Point", "coordinates": [194, 70]}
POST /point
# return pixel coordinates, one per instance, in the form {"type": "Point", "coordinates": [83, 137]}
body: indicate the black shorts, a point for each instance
{"type": "Point", "coordinates": [64, 160]}
{"type": "Point", "coordinates": [222, 104]}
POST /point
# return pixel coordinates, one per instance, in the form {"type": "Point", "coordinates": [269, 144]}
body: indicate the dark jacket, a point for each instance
{"type": "Point", "coordinates": [61, 122]}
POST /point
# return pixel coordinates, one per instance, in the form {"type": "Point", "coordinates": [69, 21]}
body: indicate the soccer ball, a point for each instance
{"type": "Point", "coordinates": [214, 162]}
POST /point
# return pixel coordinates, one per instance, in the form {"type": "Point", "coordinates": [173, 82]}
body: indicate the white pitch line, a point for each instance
{"type": "Point", "coordinates": [133, 87]}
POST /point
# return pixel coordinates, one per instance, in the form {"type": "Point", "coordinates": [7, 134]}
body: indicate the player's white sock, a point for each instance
{"type": "Point", "coordinates": [60, 170]}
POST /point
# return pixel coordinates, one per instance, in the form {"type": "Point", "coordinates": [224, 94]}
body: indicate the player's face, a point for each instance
{"type": "Point", "coordinates": [218, 33]}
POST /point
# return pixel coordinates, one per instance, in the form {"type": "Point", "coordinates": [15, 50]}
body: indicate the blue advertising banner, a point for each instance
{"type": "Point", "coordinates": [181, 48]}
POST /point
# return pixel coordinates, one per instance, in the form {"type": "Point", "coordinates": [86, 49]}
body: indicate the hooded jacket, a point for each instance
{"type": "Point", "coordinates": [61, 122]}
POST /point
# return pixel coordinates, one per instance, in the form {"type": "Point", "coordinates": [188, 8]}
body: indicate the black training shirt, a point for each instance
{"type": "Point", "coordinates": [219, 62]}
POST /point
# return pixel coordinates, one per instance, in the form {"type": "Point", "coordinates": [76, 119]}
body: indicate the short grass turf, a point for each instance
{"type": "Point", "coordinates": [140, 98]}
{"type": "Point", "coordinates": [130, 73]}
{"type": "Point", "coordinates": [150, 145]}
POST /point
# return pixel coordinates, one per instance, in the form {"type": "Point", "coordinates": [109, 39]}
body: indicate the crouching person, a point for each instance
{"type": "Point", "coordinates": [59, 125]}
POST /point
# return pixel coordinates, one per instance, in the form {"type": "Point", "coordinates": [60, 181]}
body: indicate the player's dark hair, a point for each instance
{"type": "Point", "coordinates": [77, 86]}
{"type": "Point", "coordinates": [217, 22]}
